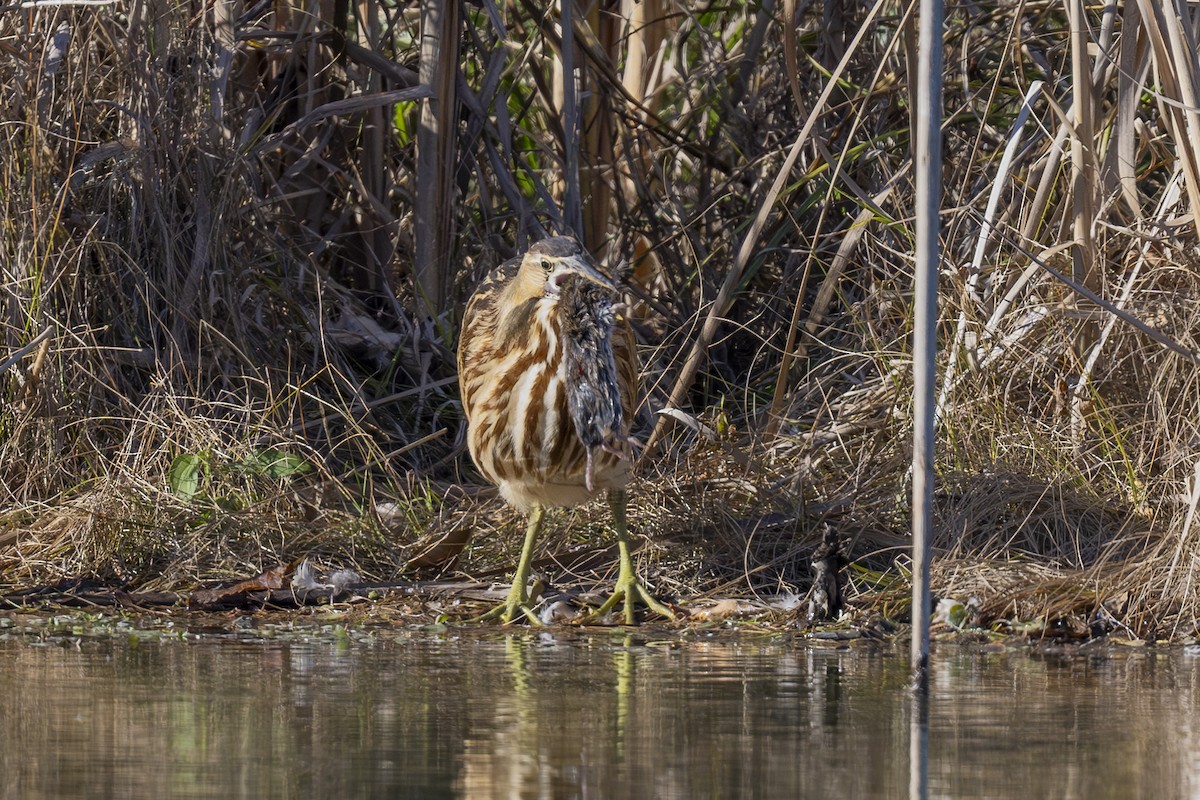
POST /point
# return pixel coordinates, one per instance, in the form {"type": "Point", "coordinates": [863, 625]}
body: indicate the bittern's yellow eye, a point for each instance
{"type": "Point", "coordinates": [546, 265]}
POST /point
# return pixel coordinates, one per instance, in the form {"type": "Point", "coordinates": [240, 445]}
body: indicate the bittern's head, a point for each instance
{"type": "Point", "coordinates": [548, 263]}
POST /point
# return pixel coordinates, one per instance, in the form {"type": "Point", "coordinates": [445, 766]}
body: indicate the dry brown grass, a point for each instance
{"type": "Point", "coordinates": [230, 235]}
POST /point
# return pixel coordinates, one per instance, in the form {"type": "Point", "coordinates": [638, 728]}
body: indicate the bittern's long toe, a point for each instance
{"type": "Point", "coordinates": [628, 587]}
{"type": "Point", "coordinates": [519, 602]}
{"type": "Point", "coordinates": [631, 590]}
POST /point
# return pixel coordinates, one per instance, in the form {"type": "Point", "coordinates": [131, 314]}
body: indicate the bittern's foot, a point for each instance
{"type": "Point", "coordinates": [631, 590]}
{"type": "Point", "coordinates": [518, 603]}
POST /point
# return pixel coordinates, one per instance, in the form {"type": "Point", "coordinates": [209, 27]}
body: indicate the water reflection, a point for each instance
{"type": "Point", "coordinates": [918, 742]}
{"type": "Point", "coordinates": [398, 714]}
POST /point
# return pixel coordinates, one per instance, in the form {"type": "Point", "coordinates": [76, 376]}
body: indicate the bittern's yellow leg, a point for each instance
{"type": "Point", "coordinates": [628, 586]}
{"type": "Point", "coordinates": [518, 599]}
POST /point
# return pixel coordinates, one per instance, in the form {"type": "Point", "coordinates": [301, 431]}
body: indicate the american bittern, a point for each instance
{"type": "Point", "coordinates": [548, 376]}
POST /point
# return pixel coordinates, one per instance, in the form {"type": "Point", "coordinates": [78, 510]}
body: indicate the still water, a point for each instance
{"type": "Point", "coordinates": [420, 714]}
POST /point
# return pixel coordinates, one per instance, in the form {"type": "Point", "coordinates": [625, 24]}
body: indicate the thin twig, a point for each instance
{"type": "Point", "coordinates": [21, 352]}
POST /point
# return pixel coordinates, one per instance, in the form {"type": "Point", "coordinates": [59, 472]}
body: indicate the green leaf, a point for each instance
{"type": "Point", "coordinates": [282, 465]}
{"type": "Point", "coordinates": [275, 464]}
{"type": "Point", "coordinates": [185, 473]}
{"type": "Point", "coordinates": [404, 121]}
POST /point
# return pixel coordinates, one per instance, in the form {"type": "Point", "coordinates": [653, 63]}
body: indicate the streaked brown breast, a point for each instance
{"type": "Point", "coordinates": [519, 432]}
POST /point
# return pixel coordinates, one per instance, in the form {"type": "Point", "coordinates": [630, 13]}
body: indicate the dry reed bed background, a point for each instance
{"type": "Point", "coordinates": [236, 237]}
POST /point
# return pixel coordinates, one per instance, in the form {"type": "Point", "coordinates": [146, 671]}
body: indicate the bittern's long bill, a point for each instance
{"type": "Point", "coordinates": [549, 381]}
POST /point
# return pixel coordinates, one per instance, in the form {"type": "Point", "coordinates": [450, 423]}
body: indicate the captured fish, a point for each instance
{"type": "Point", "coordinates": [593, 395]}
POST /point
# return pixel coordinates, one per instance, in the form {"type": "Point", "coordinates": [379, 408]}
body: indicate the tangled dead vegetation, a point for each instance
{"type": "Point", "coordinates": [232, 256]}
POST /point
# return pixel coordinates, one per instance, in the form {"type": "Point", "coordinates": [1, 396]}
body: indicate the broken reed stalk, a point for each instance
{"type": "Point", "coordinates": [434, 220]}
{"type": "Point", "coordinates": [569, 105]}
{"type": "Point", "coordinates": [1083, 193]}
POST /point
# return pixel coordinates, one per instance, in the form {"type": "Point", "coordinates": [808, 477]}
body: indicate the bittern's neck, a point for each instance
{"type": "Point", "coordinates": [516, 313]}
